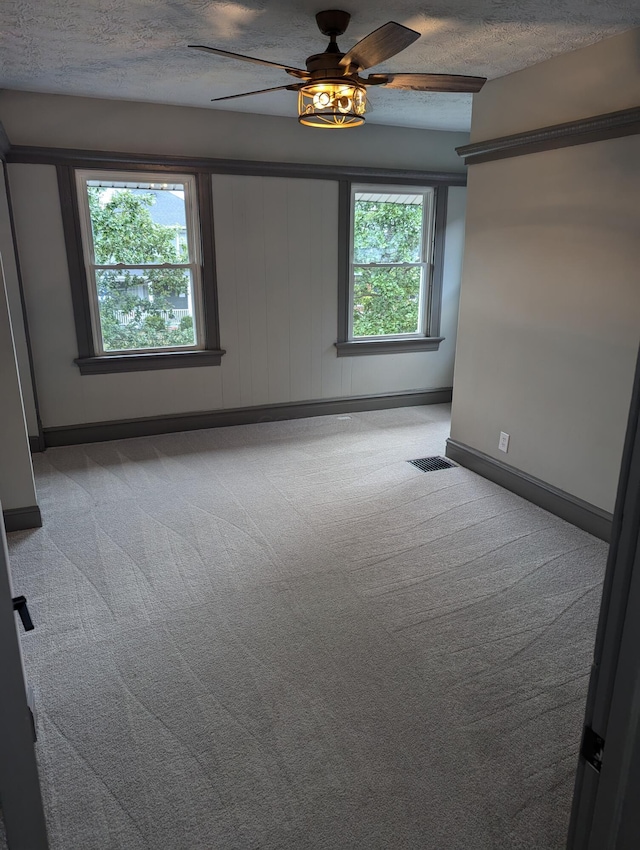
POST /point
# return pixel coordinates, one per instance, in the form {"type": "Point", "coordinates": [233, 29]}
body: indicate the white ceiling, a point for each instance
{"type": "Point", "coordinates": [137, 49]}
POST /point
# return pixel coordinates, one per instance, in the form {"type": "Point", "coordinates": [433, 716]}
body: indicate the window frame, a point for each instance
{"type": "Point", "coordinates": [92, 359]}
{"type": "Point", "coordinates": [428, 337]}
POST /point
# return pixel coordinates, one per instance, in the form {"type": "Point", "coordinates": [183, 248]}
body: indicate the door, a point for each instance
{"type": "Point", "coordinates": [606, 803]}
{"type": "Point", "coordinates": [20, 796]}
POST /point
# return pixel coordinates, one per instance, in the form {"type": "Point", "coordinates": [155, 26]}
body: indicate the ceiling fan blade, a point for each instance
{"type": "Point", "coordinates": [428, 82]}
{"type": "Point", "coordinates": [379, 45]}
{"type": "Point", "coordinates": [259, 91]}
{"type": "Point", "coordinates": [296, 72]}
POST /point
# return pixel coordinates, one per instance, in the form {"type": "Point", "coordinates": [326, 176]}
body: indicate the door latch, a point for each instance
{"type": "Point", "coordinates": [592, 748]}
{"type": "Point", "coordinates": [20, 605]}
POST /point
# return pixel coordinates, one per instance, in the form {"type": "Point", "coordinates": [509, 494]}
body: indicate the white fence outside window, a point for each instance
{"type": "Point", "coordinates": [172, 316]}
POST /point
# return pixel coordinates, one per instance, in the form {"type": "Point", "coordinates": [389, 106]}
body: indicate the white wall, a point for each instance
{"type": "Point", "coordinates": [278, 308]}
{"type": "Point", "coordinates": [17, 489]}
{"type": "Point", "coordinates": [550, 304]}
{"type": "Point", "coordinates": [278, 303]}
{"type": "Point", "coordinates": [277, 260]}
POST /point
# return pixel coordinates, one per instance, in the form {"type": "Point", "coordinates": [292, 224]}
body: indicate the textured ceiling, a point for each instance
{"type": "Point", "coordinates": [136, 49]}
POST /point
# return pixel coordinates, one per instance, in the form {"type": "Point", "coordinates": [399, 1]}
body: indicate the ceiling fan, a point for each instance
{"type": "Point", "coordinates": [331, 92]}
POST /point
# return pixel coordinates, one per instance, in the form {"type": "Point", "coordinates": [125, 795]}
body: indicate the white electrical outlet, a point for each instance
{"type": "Point", "coordinates": [503, 443]}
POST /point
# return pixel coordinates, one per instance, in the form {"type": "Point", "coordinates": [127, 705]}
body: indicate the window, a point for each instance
{"type": "Point", "coordinates": [142, 261]}
{"type": "Point", "coordinates": [391, 301]}
{"type": "Point", "coordinates": [141, 265]}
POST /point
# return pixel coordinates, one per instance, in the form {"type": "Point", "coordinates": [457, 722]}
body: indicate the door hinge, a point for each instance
{"type": "Point", "coordinates": [592, 748]}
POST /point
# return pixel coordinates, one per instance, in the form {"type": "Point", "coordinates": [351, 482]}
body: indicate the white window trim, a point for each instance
{"type": "Point", "coordinates": [193, 244]}
{"type": "Point", "coordinates": [425, 263]}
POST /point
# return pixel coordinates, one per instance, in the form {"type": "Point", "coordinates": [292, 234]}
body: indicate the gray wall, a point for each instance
{"type": "Point", "coordinates": [15, 306]}
{"type": "Point", "coordinates": [550, 305]}
{"type": "Point", "coordinates": [594, 80]}
{"type": "Point", "coordinates": [277, 295]}
{"type": "Point", "coordinates": [17, 489]}
{"type": "Point", "coordinates": [120, 125]}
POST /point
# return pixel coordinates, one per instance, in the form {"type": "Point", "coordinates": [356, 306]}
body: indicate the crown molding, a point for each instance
{"type": "Point", "coordinates": [26, 154]}
{"type": "Point", "coordinates": [612, 125]}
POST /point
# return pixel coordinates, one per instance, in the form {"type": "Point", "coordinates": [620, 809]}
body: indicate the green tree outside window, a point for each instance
{"type": "Point", "coordinates": [386, 300]}
{"type": "Point", "coordinates": [124, 232]}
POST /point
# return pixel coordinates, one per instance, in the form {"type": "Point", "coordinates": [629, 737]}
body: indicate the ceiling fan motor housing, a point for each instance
{"type": "Point", "coordinates": [322, 65]}
{"type": "Point", "coordinates": [326, 65]}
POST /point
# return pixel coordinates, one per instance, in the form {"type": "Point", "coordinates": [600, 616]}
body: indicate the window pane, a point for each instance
{"type": "Point", "coordinates": [137, 222]}
{"type": "Point", "coordinates": [386, 301]}
{"type": "Point", "coordinates": [387, 228]}
{"type": "Point", "coordinates": [145, 309]}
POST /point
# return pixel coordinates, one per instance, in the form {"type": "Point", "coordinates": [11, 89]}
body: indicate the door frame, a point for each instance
{"type": "Point", "coordinates": [605, 814]}
{"type": "Point", "coordinates": [20, 793]}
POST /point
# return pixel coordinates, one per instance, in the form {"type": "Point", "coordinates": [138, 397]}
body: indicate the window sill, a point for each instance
{"type": "Point", "coordinates": [110, 363]}
{"type": "Point", "coordinates": [355, 348]}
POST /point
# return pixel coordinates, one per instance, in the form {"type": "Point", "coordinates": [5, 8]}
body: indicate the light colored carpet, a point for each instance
{"type": "Point", "coordinates": [285, 636]}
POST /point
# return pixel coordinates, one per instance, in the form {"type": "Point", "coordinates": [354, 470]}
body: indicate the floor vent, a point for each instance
{"type": "Point", "coordinates": [432, 464]}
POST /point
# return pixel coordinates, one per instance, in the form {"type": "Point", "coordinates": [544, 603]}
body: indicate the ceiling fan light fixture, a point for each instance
{"type": "Point", "coordinates": [332, 104]}
{"type": "Point", "coordinates": [331, 92]}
